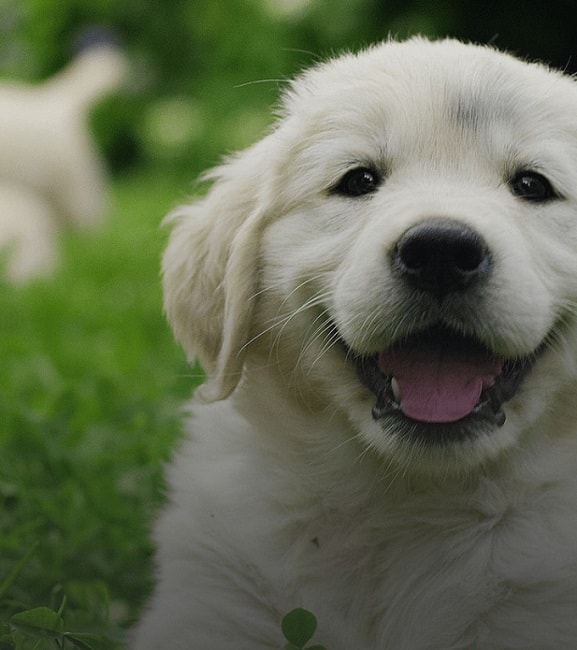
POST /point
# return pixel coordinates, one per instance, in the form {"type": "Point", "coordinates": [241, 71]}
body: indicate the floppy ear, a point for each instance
{"type": "Point", "coordinates": [210, 268]}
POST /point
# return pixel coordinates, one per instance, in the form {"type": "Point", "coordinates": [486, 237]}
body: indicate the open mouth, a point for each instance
{"type": "Point", "coordinates": [442, 379]}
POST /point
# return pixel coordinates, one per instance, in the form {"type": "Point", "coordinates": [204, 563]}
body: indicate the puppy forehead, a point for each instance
{"type": "Point", "coordinates": [468, 85]}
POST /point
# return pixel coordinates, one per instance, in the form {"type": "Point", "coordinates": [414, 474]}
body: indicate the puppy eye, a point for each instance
{"type": "Point", "coordinates": [358, 182]}
{"type": "Point", "coordinates": [532, 186]}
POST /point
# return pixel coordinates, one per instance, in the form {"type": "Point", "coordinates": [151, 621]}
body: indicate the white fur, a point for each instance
{"type": "Point", "coordinates": [27, 233]}
{"type": "Point", "coordinates": [285, 492]}
{"type": "Point", "coordinates": [51, 171]}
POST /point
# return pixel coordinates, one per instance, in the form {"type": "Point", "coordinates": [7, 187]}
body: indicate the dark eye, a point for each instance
{"type": "Point", "coordinates": [532, 186]}
{"type": "Point", "coordinates": [358, 182]}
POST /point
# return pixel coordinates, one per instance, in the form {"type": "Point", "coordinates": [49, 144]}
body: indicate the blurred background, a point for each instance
{"type": "Point", "coordinates": [204, 73]}
{"type": "Point", "coordinates": [91, 381]}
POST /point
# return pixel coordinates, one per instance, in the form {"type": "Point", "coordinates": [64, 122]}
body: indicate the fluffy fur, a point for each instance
{"type": "Point", "coordinates": [50, 169]}
{"type": "Point", "coordinates": [287, 490]}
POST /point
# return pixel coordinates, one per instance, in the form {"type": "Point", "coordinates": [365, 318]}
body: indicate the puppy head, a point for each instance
{"type": "Point", "coordinates": [404, 244]}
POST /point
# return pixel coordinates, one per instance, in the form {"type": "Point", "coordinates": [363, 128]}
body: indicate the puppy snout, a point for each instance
{"type": "Point", "coordinates": [441, 256]}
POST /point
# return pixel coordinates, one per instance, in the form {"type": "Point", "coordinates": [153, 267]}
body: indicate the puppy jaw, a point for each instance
{"type": "Point", "coordinates": [320, 262]}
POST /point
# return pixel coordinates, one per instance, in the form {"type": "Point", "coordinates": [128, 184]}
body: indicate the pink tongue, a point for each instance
{"type": "Point", "coordinates": [437, 385]}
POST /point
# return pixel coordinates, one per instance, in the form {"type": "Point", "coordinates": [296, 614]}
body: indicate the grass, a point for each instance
{"type": "Point", "coordinates": [90, 388]}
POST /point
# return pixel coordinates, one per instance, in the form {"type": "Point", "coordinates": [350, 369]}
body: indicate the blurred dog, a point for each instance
{"type": "Point", "coordinates": [50, 169]}
{"type": "Point", "coordinates": [383, 292]}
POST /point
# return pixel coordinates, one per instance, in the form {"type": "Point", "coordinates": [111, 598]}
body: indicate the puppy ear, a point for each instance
{"type": "Point", "coordinates": [210, 268]}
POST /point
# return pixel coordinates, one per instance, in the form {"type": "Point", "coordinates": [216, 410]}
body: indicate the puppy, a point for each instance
{"type": "Point", "coordinates": [51, 171]}
{"type": "Point", "coordinates": [383, 293]}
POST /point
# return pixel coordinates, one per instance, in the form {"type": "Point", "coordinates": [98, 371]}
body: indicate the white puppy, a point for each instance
{"type": "Point", "coordinates": [383, 292]}
{"type": "Point", "coordinates": [51, 171]}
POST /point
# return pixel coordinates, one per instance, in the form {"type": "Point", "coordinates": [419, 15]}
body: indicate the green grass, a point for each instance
{"type": "Point", "coordinates": [90, 388]}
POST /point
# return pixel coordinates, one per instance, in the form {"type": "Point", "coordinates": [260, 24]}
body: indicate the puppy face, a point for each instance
{"type": "Point", "coordinates": [402, 248]}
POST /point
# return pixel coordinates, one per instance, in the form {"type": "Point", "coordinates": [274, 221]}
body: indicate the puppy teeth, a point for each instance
{"type": "Point", "coordinates": [395, 388]}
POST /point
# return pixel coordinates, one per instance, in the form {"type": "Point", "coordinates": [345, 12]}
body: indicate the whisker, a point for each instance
{"type": "Point", "coordinates": [255, 82]}
{"type": "Point", "coordinates": [321, 324]}
{"type": "Point", "coordinates": [283, 320]}
{"type": "Point", "coordinates": [311, 303]}
{"type": "Point", "coordinates": [327, 344]}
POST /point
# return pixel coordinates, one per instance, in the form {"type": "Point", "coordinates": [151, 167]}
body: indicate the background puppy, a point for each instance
{"type": "Point", "coordinates": [382, 292]}
{"type": "Point", "coordinates": [51, 171]}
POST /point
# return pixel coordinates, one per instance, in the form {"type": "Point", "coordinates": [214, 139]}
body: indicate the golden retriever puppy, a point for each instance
{"type": "Point", "coordinates": [51, 171]}
{"type": "Point", "coordinates": [383, 292]}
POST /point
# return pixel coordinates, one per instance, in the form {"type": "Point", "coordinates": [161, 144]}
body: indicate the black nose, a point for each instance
{"type": "Point", "coordinates": [441, 256]}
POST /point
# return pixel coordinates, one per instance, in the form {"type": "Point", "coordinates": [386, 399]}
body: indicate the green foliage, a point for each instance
{"type": "Point", "coordinates": [42, 628]}
{"type": "Point", "coordinates": [92, 384]}
{"type": "Point", "coordinates": [299, 627]}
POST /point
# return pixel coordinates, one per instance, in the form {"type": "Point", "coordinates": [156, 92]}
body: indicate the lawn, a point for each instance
{"type": "Point", "coordinates": [91, 384]}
